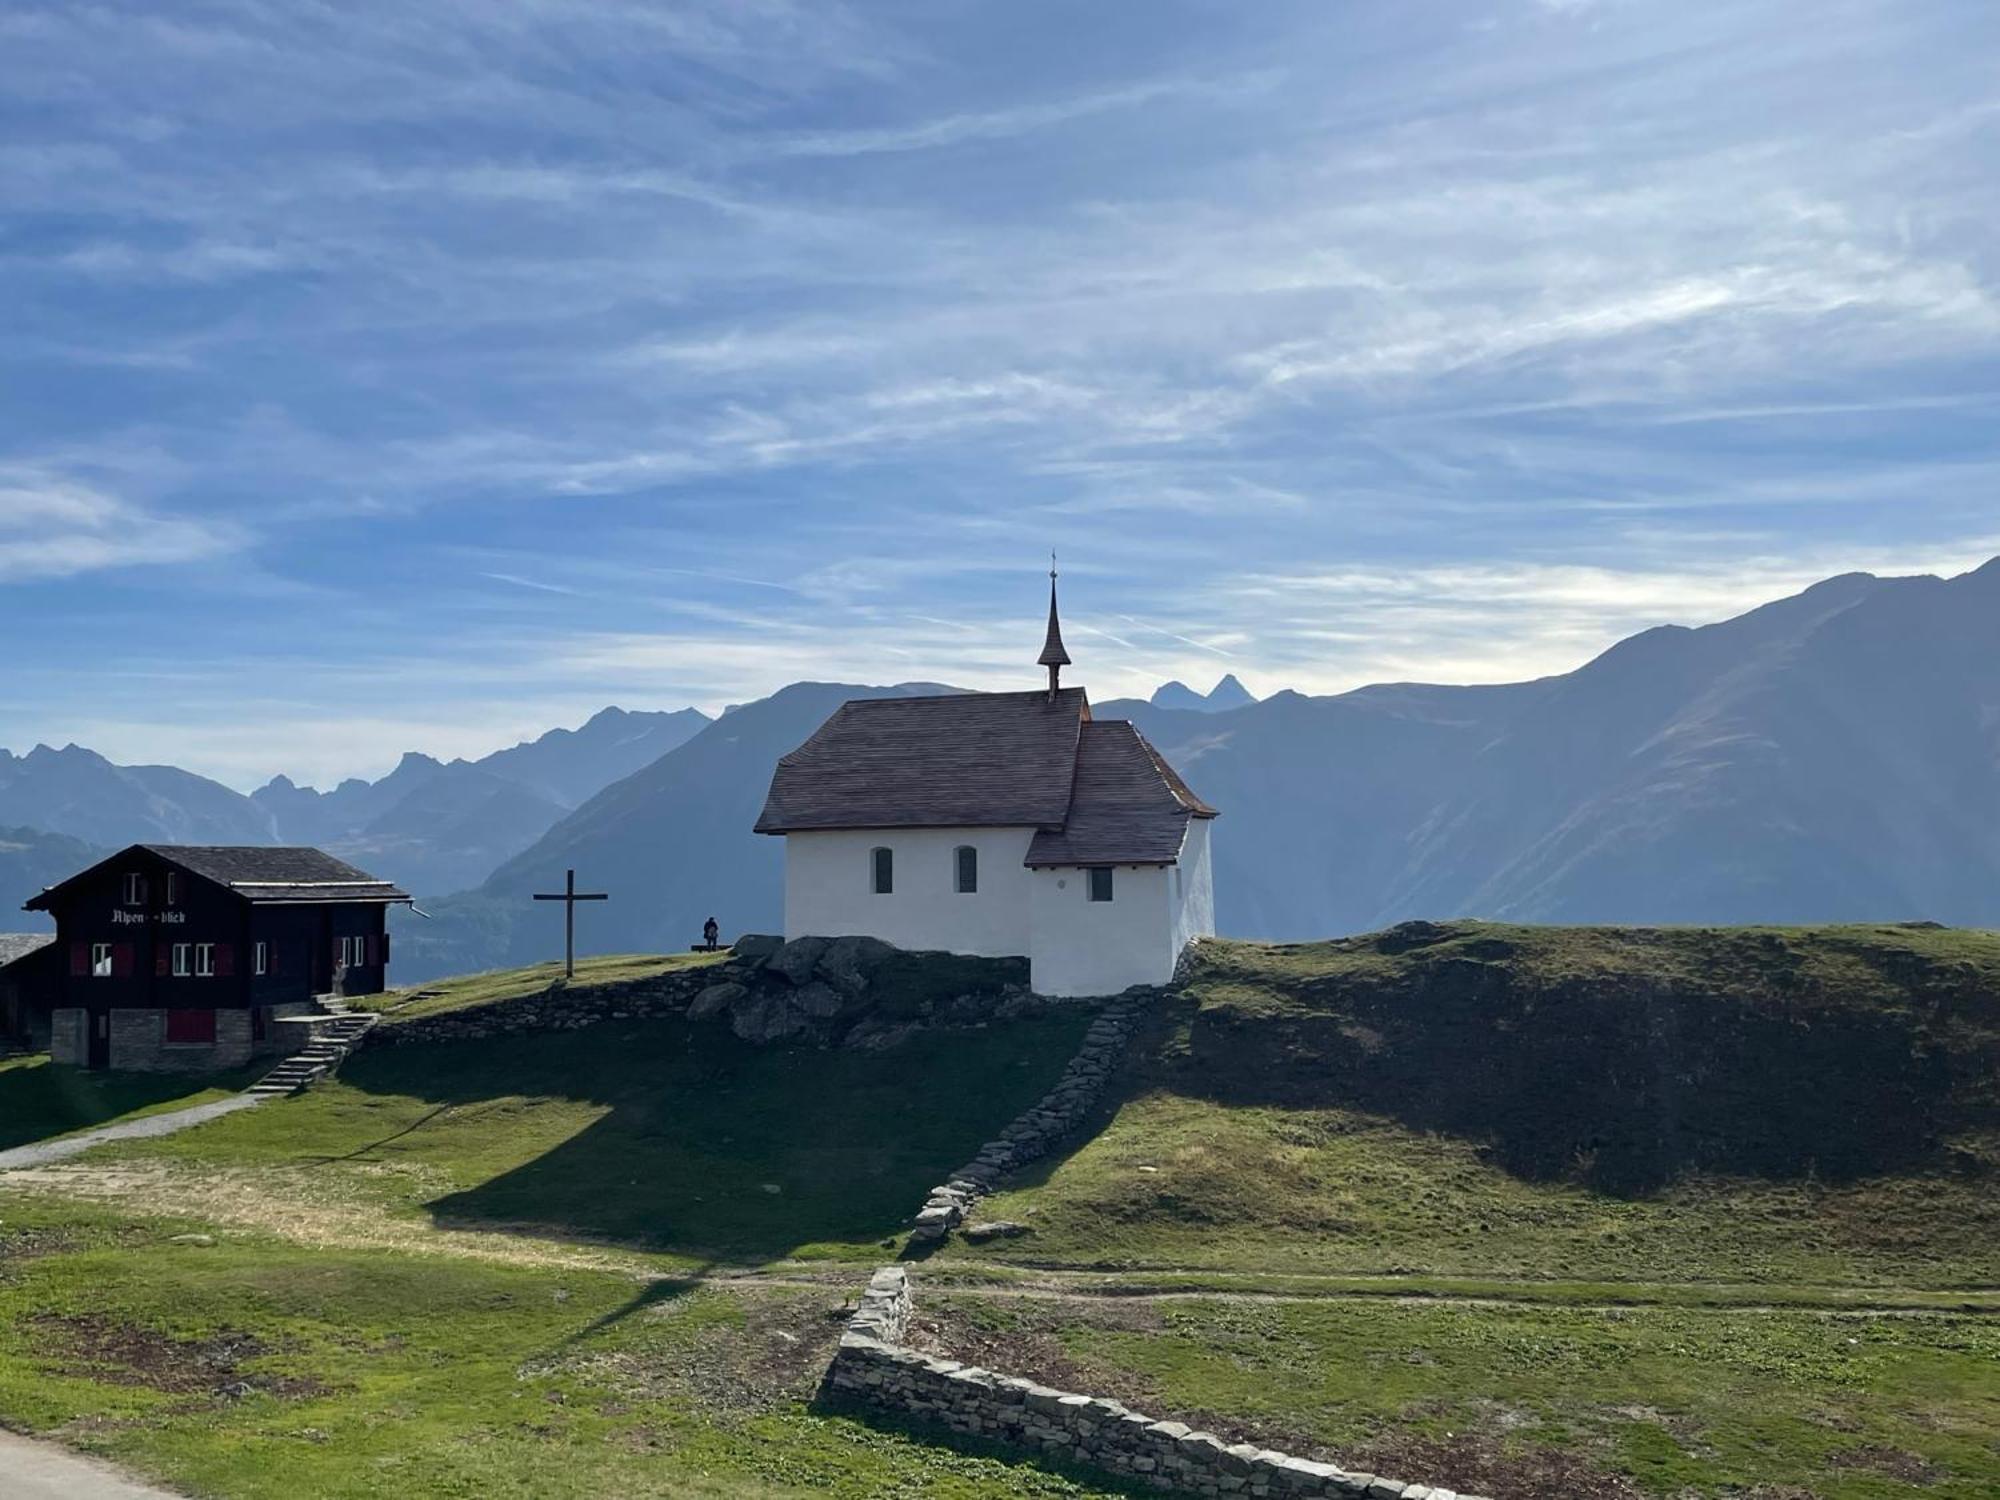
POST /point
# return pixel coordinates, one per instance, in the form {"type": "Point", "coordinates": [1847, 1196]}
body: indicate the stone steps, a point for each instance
{"type": "Point", "coordinates": [337, 1035]}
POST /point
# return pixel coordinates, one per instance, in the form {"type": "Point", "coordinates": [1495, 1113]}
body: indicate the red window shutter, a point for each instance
{"type": "Point", "coordinates": [163, 960]}
{"type": "Point", "coordinates": [225, 960]}
{"type": "Point", "coordinates": [79, 960]}
{"type": "Point", "coordinates": [121, 960]}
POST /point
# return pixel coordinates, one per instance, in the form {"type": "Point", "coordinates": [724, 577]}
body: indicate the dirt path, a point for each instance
{"type": "Point", "coordinates": [41, 1471]}
{"type": "Point", "coordinates": [41, 1153]}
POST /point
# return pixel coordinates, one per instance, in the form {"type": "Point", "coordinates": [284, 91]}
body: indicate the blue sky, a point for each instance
{"type": "Point", "coordinates": [394, 374]}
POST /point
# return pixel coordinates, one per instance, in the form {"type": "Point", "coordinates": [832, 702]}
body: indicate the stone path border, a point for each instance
{"type": "Point", "coordinates": [1036, 1131]}
{"type": "Point", "coordinates": [872, 1368]}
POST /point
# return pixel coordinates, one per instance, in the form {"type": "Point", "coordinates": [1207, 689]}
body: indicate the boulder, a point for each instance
{"type": "Point", "coordinates": [876, 1034]}
{"type": "Point", "coordinates": [848, 962]}
{"type": "Point", "coordinates": [993, 1229]}
{"type": "Point", "coordinates": [714, 1000]}
{"type": "Point", "coordinates": [796, 959]}
{"type": "Point", "coordinates": [756, 945]}
{"type": "Point", "coordinates": [820, 1001]}
{"type": "Point", "coordinates": [767, 1018]}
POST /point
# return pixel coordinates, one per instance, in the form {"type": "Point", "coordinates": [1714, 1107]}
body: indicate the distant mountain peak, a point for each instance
{"type": "Point", "coordinates": [1225, 695]}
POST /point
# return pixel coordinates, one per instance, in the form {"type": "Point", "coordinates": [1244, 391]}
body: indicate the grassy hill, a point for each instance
{"type": "Point", "coordinates": [1588, 1103]}
{"type": "Point", "coordinates": [1531, 1212]}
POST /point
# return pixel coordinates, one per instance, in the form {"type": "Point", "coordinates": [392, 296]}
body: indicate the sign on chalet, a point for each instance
{"type": "Point", "coordinates": [174, 956]}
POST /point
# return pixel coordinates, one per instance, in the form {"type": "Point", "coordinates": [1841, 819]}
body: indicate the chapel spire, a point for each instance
{"type": "Point", "coordinates": [1053, 656]}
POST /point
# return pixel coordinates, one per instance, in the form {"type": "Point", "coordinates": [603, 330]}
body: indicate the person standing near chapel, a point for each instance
{"type": "Point", "coordinates": [710, 931]}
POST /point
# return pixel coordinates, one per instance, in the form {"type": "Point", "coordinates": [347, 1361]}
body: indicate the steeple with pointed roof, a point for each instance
{"type": "Point", "coordinates": [1053, 656]}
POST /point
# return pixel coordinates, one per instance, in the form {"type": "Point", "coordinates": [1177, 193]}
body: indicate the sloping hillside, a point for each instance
{"type": "Point", "coordinates": [1728, 1104]}
{"type": "Point", "coordinates": [672, 844]}
{"type": "Point", "coordinates": [30, 861]}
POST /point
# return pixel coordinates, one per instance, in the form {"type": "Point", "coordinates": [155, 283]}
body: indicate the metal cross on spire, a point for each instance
{"type": "Point", "coordinates": [569, 895]}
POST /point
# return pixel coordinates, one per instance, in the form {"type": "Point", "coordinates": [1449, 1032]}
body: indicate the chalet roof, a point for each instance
{"type": "Point", "coordinates": [259, 873]}
{"type": "Point", "coordinates": [960, 760]}
{"type": "Point", "coordinates": [15, 946]}
{"type": "Point", "coordinates": [279, 872]}
{"type": "Point", "coordinates": [1128, 805]}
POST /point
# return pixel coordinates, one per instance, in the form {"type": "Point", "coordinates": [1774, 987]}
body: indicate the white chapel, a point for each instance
{"type": "Point", "coordinates": [999, 824]}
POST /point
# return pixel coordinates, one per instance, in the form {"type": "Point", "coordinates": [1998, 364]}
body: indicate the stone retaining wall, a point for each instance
{"type": "Point", "coordinates": [871, 1370]}
{"type": "Point", "coordinates": [1035, 1132]}
{"type": "Point", "coordinates": [560, 1007]}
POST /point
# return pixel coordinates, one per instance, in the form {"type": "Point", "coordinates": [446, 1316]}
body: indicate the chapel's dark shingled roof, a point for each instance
{"type": "Point", "coordinates": [1128, 806]}
{"type": "Point", "coordinates": [961, 760]}
{"type": "Point", "coordinates": [261, 873]}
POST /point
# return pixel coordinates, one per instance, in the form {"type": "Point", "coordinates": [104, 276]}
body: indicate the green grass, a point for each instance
{"type": "Point", "coordinates": [443, 996]}
{"type": "Point", "coordinates": [1544, 1400]}
{"type": "Point", "coordinates": [1575, 1104]}
{"type": "Point", "coordinates": [659, 1135]}
{"type": "Point", "coordinates": [254, 1368]}
{"type": "Point", "coordinates": [1537, 1213]}
{"type": "Point", "coordinates": [39, 1100]}
{"type": "Point", "coordinates": [1188, 1183]}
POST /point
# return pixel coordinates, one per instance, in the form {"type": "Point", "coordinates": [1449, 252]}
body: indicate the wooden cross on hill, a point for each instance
{"type": "Point", "coordinates": [569, 895]}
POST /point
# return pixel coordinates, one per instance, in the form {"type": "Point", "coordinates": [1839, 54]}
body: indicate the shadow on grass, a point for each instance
{"type": "Point", "coordinates": [40, 1099]}
{"type": "Point", "coordinates": [703, 1144]}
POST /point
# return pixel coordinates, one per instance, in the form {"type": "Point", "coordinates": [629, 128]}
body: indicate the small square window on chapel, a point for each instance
{"type": "Point", "coordinates": [1100, 885]}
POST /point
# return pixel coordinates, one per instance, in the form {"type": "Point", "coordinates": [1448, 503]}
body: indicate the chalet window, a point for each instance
{"type": "Point", "coordinates": [882, 864]}
{"type": "Point", "coordinates": [965, 860]}
{"type": "Point", "coordinates": [204, 960]}
{"type": "Point", "coordinates": [173, 888]}
{"type": "Point", "coordinates": [190, 1027]}
{"type": "Point", "coordinates": [1100, 885]}
{"type": "Point", "coordinates": [135, 889]}
{"type": "Point", "coordinates": [100, 961]}
{"type": "Point", "coordinates": [183, 960]}
{"type": "Point", "coordinates": [260, 958]}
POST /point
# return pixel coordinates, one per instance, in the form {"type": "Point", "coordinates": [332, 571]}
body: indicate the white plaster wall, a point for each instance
{"type": "Point", "coordinates": [1085, 947]}
{"type": "Point", "coordinates": [829, 889]}
{"type": "Point", "coordinates": [1193, 888]}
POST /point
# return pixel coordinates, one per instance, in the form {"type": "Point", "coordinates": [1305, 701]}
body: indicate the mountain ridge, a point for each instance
{"type": "Point", "coordinates": [1833, 755]}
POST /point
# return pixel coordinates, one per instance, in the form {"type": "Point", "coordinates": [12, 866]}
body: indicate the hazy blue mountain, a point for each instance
{"type": "Point", "coordinates": [670, 843]}
{"type": "Point", "coordinates": [1225, 695]}
{"type": "Point", "coordinates": [570, 766]}
{"type": "Point", "coordinates": [1831, 756]}
{"type": "Point", "coordinates": [439, 826]}
{"type": "Point", "coordinates": [30, 861]}
{"type": "Point", "coordinates": [78, 792]}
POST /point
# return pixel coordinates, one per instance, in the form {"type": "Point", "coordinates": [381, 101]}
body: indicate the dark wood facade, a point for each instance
{"type": "Point", "coordinates": [211, 944]}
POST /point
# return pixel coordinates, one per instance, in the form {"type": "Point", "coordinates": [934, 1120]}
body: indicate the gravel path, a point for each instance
{"type": "Point", "coordinates": [41, 1153]}
{"type": "Point", "coordinates": [31, 1470]}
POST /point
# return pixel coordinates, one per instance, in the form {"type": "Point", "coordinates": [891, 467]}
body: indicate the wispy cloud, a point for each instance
{"type": "Point", "coordinates": [731, 343]}
{"type": "Point", "coordinates": [52, 526]}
